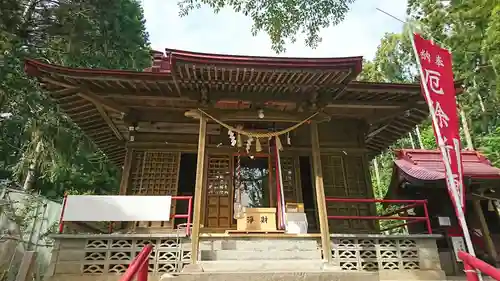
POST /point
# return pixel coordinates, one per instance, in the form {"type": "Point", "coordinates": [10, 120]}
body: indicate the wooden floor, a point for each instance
{"type": "Point", "coordinates": [234, 233]}
{"type": "Point", "coordinates": [231, 231]}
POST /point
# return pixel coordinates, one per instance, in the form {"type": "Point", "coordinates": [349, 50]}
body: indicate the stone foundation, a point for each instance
{"type": "Point", "coordinates": [370, 257]}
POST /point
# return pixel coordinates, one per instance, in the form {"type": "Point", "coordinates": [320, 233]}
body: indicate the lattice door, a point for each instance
{"type": "Point", "coordinates": [290, 185]}
{"type": "Point", "coordinates": [358, 188]}
{"type": "Point", "coordinates": [335, 186]}
{"type": "Point", "coordinates": [218, 192]}
{"type": "Point", "coordinates": [155, 173]}
{"type": "Point", "coordinates": [344, 177]}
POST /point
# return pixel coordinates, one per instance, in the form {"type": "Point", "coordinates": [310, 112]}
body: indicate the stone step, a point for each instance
{"type": "Point", "coordinates": [274, 276]}
{"type": "Point", "coordinates": [259, 245]}
{"type": "Point", "coordinates": [220, 255]}
{"type": "Point", "coordinates": [262, 266]}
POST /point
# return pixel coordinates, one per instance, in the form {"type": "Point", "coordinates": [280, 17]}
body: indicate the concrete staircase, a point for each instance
{"type": "Point", "coordinates": [264, 260]}
{"type": "Point", "coordinates": [272, 260]}
{"type": "Point", "coordinates": [242, 255]}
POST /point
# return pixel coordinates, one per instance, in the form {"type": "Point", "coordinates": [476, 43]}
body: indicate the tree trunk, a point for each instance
{"type": "Point", "coordinates": [31, 175]}
{"type": "Point", "coordinates": [411, 140]}
{"type": "Point", "coordinates": [465, 127]}
{"type": "Point", "coordinates": [377, 177]}
{"type": "Point", "coordinates": [419, 138]}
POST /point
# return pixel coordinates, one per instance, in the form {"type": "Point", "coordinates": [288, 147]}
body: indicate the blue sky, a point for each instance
{"type": "Point", "coordinates": [230, 33]}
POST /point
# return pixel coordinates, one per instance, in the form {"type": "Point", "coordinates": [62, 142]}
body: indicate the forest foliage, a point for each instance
{"type": "Point", "coordinates": [77, 33]}
{"type": "Point", "coordinates": [111, 34]}
{"type": "Point", "coordinates": [471, 30]}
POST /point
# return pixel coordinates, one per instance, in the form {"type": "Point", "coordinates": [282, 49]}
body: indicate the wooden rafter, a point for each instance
{"type": "Point", "coordinates": [109, 122]}
{"type": "Point", "coordinates": [96, 100]}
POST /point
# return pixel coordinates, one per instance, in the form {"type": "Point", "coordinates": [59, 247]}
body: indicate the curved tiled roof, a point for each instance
{"type": "Point", "coordinates": [426, 165]}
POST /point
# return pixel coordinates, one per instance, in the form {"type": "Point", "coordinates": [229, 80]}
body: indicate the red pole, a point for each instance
{"type": "Point", "coordinates": [428, 221]}
{"type": "Point", "coordinates": [473, 265]}
{"type": "Point", "coordinates": [61, 217]}
{"type": "Point", "coordinates": [278, 187]}
{"type": "Point", "coordinates": [142, 275]}
{"type": "Point", "coordinates": [190, 204]}
{"type": "Point", "coordinates": [470, 273]}
{"type": "Point", "coordinates": [137, 263]}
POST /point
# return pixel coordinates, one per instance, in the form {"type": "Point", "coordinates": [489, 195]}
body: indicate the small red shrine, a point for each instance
{"type": "Point", "coordinates": [419, 174]}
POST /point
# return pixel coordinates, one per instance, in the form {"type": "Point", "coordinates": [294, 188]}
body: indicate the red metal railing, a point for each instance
{"type": "Point", "coordinates": [186, 216]}
{"type": "Point", "coordinates": [409, 204]}
{"type": "Point", "coordinates": [471, 264]}
{"type": "Point", "coordinates": [139, 266]}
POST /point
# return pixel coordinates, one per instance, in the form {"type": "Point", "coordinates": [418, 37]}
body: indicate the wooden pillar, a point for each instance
{"type": "Point", "coordinates": [198, 192]}
{"type": "Point", "coordinates": [490, 246]}
{"type": "Point", "coordinates": [320, 193]}
{"type": "Point", "coordinates": [126, 171]}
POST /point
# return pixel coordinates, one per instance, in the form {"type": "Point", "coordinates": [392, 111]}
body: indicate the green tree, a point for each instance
{"type": "Point", "coordinates": [470, 29]}
{"type": "Point", "coordinates": [281, 19]}
{"type": "Point", "coordinates": [77, 33]}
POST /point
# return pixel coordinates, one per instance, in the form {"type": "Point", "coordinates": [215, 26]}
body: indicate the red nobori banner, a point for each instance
{"type": "Point", "coordinates": [438, 78]}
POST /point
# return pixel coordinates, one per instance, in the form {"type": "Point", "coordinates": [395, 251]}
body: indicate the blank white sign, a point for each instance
{"type": "Point", "coordinates": [117, 208]}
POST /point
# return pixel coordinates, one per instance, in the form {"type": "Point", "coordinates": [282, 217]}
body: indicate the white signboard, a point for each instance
{"type": "Point", "coordinates": [117, 208]}
{"type": "Point", "coordinates": [458, 245]}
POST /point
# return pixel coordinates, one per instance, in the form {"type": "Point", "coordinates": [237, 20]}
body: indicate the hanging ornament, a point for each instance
{"type": "Point", "coordinates": [249, 144]}
{"type": "Point", "coordinates": [231, 137]}
{"type": "Point", "coordinates": [288, 140]}
{"type": "Point", "coordinates": [278, 144]}
{"type": "Point", "coordinates": [258, 147]}
{"type": "Point", "coordinates": [239, 142]}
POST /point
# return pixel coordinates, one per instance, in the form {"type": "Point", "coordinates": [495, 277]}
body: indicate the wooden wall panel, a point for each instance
{"type": "Point", "coordinates": [154, 173]}
{"type": "Point", "coordinates": [347, 133]}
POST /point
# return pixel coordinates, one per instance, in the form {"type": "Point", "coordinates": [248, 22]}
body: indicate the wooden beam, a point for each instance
{"type": "Point", "coordinates": [109, 122]}
{"type": "Point", "coordinates": [126, 171]}
{"type": "Point", "coordinates": [320, 194]}
{"type": "Point", "coordinates": [198, 192]}
{"type": "Point", "coordinates": [400, 112]}
{"type": "Point", "coordinates": [270, 115]}
{"type": "Point", "coordinates": [372, 133]}
{"type": "Point", "coordinates": [157, 115]}
{"type": "Point", "coordinates": [371, 104]}
{"type": "Point", "coordinates": [65, 92]}
{"type": "Point", "coordinates": [108, 104]}
{"type": "Point", "coordinates": [176, 128]}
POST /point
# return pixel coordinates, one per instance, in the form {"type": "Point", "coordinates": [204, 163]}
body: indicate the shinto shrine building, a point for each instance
{"type": "Point", "coordinates": [254, 142]}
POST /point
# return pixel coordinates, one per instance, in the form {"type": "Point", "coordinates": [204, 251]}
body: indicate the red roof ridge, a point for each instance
{"type": "Point", "coordinates": [247, 57]}
{"type": "Point", "coordinates": [190, 56]}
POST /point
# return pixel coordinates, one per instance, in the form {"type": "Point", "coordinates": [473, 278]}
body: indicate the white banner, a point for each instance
{"type": "Point", "coordinates": [117, 208]}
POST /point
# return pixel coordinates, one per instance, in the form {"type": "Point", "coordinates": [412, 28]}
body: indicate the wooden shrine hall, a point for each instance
{"type": "Point", "coordinates": [241, 133]}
